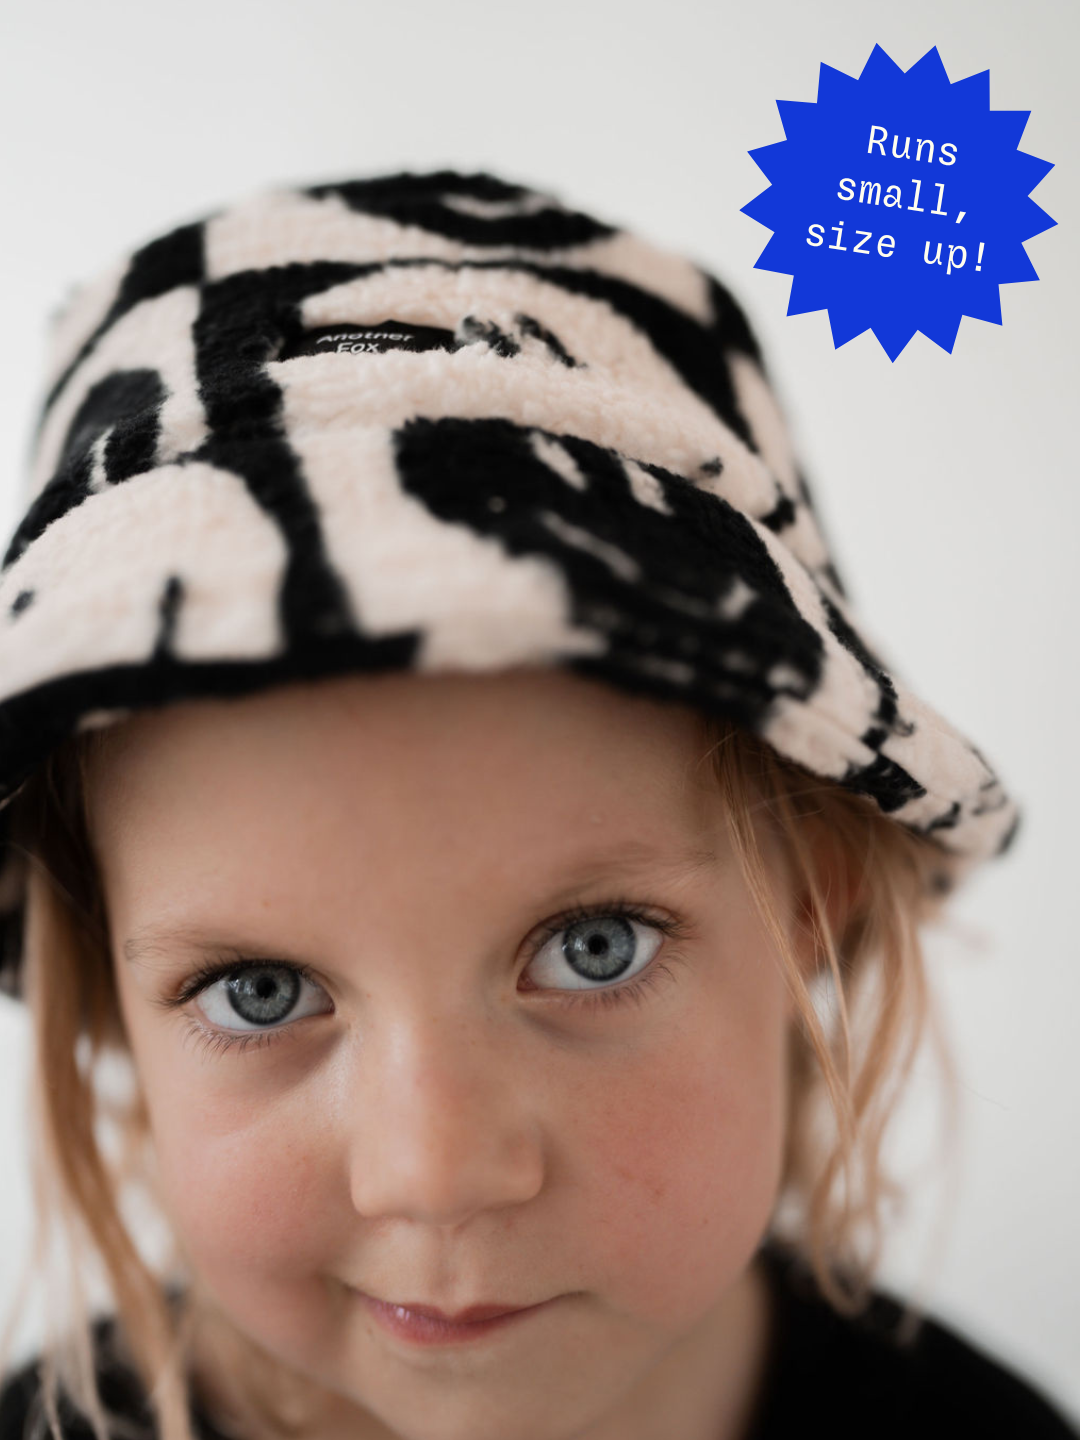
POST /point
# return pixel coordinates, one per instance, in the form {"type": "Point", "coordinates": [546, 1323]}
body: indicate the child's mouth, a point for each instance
{"type": "Point", "coordinates": [426, 1326]}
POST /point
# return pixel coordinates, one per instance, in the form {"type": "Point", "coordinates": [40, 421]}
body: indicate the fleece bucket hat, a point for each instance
{"type": "Point", "coordinates": [436, 421]}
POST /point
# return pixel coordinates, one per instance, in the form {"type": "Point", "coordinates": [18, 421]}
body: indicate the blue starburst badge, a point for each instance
{"type": "Point", "coordinates": [899, 201]}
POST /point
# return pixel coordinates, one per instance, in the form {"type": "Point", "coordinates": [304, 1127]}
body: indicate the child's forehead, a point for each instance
{"type": "Point", "coordinates": [521, 752]}
{"type": "Point", "coordinates": [503, 712]}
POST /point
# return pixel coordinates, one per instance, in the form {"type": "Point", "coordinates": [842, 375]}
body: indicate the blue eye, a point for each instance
{"type": "Point", "coordinates": [271, 994]}
{"type": "Point", "coordinates": [596, 949]}
{"type": "Point", "coordinates": [262, 994]}
{"type": "Point", "coordinates": [601, 947]}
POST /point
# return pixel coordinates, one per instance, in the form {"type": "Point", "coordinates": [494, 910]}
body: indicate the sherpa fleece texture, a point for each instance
{"type": "Point", "coordinates": [436, 421]}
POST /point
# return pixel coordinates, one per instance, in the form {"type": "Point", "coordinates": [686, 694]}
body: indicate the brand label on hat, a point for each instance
{"type": "Point", "coordinates": [368, 339]}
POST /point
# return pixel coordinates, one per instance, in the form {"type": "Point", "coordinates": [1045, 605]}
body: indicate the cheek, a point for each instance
{"type": "Point", "coordinates": [684, 1161]}
{"type": "Point", "coordinates": [242, 1178]}
{"type": "Point", "coordinates": [239, 1167]}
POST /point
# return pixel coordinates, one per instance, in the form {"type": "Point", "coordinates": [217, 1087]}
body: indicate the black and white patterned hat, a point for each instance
{"type": "Point", "coordinates": [436, 421]}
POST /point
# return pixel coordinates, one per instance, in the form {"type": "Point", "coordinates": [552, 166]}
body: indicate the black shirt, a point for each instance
{"type": "Point", "coordinates": [849, 1376]}
{"type": "Point", "coordinates": [844, 1376]}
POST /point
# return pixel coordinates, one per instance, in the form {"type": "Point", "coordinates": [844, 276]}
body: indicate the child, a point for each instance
{"type": "Point", "coordinates": [442, 774]}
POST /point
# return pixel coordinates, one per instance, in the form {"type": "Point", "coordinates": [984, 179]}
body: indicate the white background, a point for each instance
{"type": "Point", "coordinates": [947, 482]}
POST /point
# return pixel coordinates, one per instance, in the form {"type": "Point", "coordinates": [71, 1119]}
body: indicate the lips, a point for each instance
{"type": "Point", "coordinates": [428, 1325]}
{"type": "Point", "coordinates": [469, 1316]}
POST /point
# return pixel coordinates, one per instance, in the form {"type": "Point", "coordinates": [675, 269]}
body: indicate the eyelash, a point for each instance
{"type": "Point", "coordinates": [633, 992]}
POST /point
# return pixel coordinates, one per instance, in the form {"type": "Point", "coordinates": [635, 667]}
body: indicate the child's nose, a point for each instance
{"type": "Point", "coordinates": [441, 1126]}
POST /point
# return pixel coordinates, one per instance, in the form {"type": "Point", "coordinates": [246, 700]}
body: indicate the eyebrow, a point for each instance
{"type": "Point", "coordinates": [640, 857]}
{"type": "Point", "coordinates": [633, 858]}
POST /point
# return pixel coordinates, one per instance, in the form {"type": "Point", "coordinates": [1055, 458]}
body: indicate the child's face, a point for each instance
{"type": "Point", "coordinates": [432, 1120]}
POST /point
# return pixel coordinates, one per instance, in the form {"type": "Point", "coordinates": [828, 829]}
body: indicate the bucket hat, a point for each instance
{"type": "Point", "coordinates": [436, 421]}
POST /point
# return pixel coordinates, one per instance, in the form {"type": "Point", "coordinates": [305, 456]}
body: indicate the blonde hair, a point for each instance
{"type": "Point", "coordinates": [860, 1019]}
